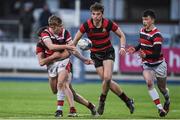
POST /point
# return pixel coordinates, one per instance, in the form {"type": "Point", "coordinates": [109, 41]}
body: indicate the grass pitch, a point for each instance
{"type": "Point", "coordinates": [34, 100]}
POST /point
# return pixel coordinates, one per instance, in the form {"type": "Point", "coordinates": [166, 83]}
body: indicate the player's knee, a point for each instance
{"type": "Point", "coordinates": [163, 90]}
{"type": "Point", "coordinates": [149, 84]}
{"type": "Point", "coordinates": [107, 78]}
{"type": "Point", "coordinates": [60, 85]}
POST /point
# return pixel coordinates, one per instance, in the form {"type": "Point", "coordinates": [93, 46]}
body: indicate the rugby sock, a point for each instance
{"type": "Point", "coordinates": [124, 97]}
{"type": "Point", "coordinates": [155, 97]}
{"type": "Point", "coordinates": [166, 95]}
{"type": "Point", "coordinates": [60, 100]}
{"type": "Point", "coordinates": [102, 98]}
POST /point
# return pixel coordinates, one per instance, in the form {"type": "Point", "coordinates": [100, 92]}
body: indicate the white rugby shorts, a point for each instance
{"type": "Point", "coordinates": [56, 67]}
{"type": "Point", "coordinates": [160, 70]}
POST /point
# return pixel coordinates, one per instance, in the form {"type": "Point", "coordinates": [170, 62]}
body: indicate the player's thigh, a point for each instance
{"type": "Point", "coordinates": [161, 70]}
{"type": "Point", "coordinates": [100, 72]}
{"type": "Point", "coordinates": [148, 76]}
{"type": "Point", "coordinates": [53, 84]}
{"type": "Point", "coordinates": [63, 76]}
{"type": "Point", "coordinates": [108, 69]}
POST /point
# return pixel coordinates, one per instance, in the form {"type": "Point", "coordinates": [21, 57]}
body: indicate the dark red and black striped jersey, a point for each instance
{"type": "Point", "coordinates": [39, 47]}
{"type": "Point", "coordinates": [148, 39]}
{"type": "Point", "coordinates": [100, 37]}
{"type": "Point", "coordinates": [62, 38]}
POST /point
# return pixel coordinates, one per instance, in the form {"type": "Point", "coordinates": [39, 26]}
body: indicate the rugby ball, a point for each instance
{"type": "Point", "coordinates": [84, 44]}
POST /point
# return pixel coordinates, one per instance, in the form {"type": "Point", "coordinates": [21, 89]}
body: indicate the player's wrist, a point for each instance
{"type": "Point", "coordinates": [123, 46]}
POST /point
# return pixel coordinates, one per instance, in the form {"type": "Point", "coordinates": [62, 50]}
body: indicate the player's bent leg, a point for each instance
{"type": "Point", "coordinates": [102, 97]}
{"type": "Point", "coordinates": [161, 83]}
{"type": "Point", "coordinates": [60, 98]}
{"type": "Point", "coordinates": [149, 77]}
{"type": "Point", "coordinates": [63, 77]}
{"type": "Point", "coordinates": [53, 84]}
{"type": "Point", "coordinates": [72, 112]}
{"type": "Point", "coordinates": [60, 103]}
{"type": "Point", "coordinates": [114, 87]}
{"type": "Point", "coordinates": [104, 72]}
{"type": "Point", "coordinates": [78, 98]}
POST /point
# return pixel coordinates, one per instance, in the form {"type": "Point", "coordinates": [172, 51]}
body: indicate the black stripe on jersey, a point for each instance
{"type": "Point", "coordinates": [42, 45]}
{"type": "Point", "coordinates": [146, 37]}
{"type": "Point", "coordinates": [98, 37]}
{"type": "Point", "coordinates": [45, 31]}
{"type": "Point", "coordinates": [146, 48]}
{"type": "Point", "coordinates": [156, 52]}
{"type": "Point", "coordinates": [65, 34]}
{"type": "Point", "coordinates": [102, 45]}
{"type": "Point", "coordinates": [109, 26]}
{"type": "Point", "coordinates": [137, 47]}
{"type": "Point", "coordinates": [156, 35]}
{"type": "Point", "coordinates": [39, 44]}
{"type": "Point", "coordinates": [86, 27]}
{"type": "Point", "coordinates": [97, 30]}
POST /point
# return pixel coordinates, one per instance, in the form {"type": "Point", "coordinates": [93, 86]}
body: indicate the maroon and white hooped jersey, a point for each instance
{"type": "Point", "coordinates": [61, 39]}
{"type": "Point", "coordinates": [147, 40]}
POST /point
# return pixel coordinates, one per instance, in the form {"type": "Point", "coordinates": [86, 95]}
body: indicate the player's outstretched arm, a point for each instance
{"type": "Point", "coordinates": [85, 60]}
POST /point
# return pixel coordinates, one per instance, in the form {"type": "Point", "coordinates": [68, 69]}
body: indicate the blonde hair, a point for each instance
{"type": "Point", "coordinates": [54, 20]}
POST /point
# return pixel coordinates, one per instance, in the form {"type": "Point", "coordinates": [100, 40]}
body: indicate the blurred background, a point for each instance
{"type": "Point", "coordinates": [20, 19]}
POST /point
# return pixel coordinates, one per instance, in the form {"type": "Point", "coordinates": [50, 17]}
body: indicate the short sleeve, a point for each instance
{"type": "Point", "coordinates": [158, 39]}
{"type": "Point", "coordinates": [68, 36]}
{"type": "Point", "coordinates": [82, 29]}
{"type": "Point", "coordinates": [114, 26]}
{"type": "Point", "coordinates": [45, 36]}
{"type": "Point", "coordinates": [39, 48]}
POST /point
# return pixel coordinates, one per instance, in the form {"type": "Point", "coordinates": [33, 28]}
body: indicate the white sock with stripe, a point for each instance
{"type": "Point", "coordinates": [60, 100]}
{"type": "Point", "coordinates": [155, 97]}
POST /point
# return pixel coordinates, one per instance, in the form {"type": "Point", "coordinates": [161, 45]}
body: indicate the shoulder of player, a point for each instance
{"type": "Point", "coordinates": [41, 30]}
{"type": "Point", "coordinates": [86, 22]}
{"type": "Point", "coordinates": [66, 30]}
{"type": "Point", "coordinates": [156, 33]}
{"type": "Point", "coordinates": [45, 32]}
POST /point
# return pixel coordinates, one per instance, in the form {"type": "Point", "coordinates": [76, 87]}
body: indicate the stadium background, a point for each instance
{"type": "Point", "coordinates": [17, 54]}
{"type": "Point", "coordinates": [18, 61]}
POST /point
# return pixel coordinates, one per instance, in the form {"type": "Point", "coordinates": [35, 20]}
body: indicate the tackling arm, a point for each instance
{"type": "Point", "coordinates": [55, 47]}
{"type": "Point", "coordinates": [56, 55]}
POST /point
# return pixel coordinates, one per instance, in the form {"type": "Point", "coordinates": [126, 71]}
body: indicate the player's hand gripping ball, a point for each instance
{"type": "Point", "coordinates": [84, 44]}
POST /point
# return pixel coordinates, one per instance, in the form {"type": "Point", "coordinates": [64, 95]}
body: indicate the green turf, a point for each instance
{"type": "Point", "coordinates": [34, 100]}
